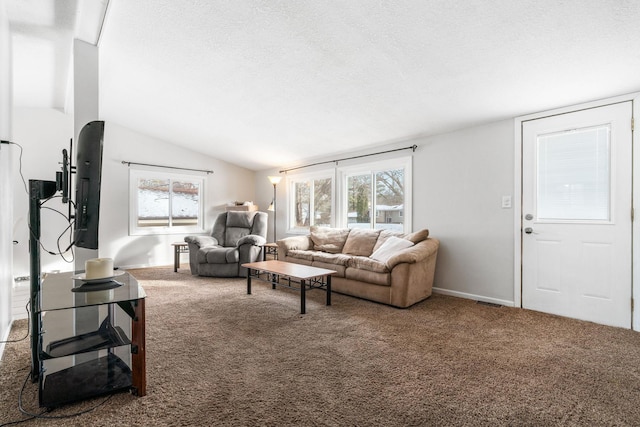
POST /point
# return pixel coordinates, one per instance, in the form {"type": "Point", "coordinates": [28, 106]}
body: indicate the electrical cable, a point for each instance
{"type": "Point", "coordinates": [24, 182]}
{"type": "Point", "coordinates": [71, 243]}
{"type": "Point", "coordinates": [60, 251]}
{"type": "Point", "coordinates": [32, 415]}
{"type": "Point", "coordinates": [56, 417]}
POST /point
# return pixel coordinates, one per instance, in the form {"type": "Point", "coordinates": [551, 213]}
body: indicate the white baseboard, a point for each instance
{"type": "Point", "coordinates": [465, 295]}
{"type": "Point", "coordinates": [4, 338]}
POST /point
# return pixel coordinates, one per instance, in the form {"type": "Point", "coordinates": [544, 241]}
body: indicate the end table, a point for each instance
{"type": "Point", "coordinates": [269, 249]}
{"type": "Point", "coordinates": [178, 248]}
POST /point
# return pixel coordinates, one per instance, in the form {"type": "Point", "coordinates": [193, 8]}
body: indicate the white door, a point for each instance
{"type": "Point", "coordinates": [576, 214]}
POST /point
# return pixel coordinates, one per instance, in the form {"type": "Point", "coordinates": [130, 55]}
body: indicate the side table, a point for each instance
{"type": "Point", "coordinates": [178, 248]}
{"type": "Point", "coordinates": [269, 249]}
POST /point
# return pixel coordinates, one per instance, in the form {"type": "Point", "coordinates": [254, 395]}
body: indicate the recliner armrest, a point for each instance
{"type": "Point", "coordinates": [201, 241]}
{"type": "Point", "coordinates": [252, 239]}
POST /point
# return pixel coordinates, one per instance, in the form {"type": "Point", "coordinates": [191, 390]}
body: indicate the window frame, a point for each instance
{"type": "Point", "coordinates": [291, 181]}
{"type": "Point", "coordinates": [135, 230]}
{"type": "Point", "coordinates": [339, 189]}
{"type": "Point", "coordinates": [344, 172]}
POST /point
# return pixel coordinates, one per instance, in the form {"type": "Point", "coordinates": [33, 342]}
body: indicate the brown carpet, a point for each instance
{"type": "Point", "coordinates": [217, 356]}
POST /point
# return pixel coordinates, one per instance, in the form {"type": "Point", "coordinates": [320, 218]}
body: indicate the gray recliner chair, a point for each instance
{"type": "Point", "coordinates": [236, 239]}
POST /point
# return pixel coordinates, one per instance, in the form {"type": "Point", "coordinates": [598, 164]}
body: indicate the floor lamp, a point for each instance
{"type": "Point", "coordinates": [272, 207]}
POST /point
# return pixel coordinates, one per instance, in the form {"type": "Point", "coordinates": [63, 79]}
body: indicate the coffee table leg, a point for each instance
{"type": "Point", "coordinates": [249, 281]}
{"type": "Point", "coordinates": [329, 289]}
{"type": "Point", "coordinates": [302, 297]}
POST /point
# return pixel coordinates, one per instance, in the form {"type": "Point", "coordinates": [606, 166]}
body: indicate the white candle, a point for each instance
{"type": "Point", "coordinates": [97, 268]}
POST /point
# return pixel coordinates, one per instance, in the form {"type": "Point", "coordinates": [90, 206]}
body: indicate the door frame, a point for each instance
{"type": "Point", "coordinates": [517, 195]}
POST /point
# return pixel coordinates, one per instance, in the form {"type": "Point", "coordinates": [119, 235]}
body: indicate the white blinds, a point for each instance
{"type": "Point", "coordinates": [574, 175]}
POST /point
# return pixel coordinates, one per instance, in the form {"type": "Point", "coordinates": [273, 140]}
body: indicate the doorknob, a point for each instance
{"type": "Point", "coordinates": [528, 230]}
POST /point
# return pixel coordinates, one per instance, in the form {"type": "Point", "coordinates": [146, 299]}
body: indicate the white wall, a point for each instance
{"type": "Point", "coordinates": [6, 185]}
{"type": "Point", "coordinates": [459, 179]}
{"type": "Point", "coordinates": [42, 133]}
{"type": "Point", "coordinates": [227, 184]}
{"type": "Point", "coordinates": [45, 132]}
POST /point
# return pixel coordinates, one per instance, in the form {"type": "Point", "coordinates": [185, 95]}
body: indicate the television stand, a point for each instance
{"type": "Point", "coordinates": [75, 366]}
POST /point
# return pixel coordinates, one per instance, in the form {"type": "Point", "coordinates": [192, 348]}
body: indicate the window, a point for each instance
{"type": "Point", "coordinates": [165, 203]}
{"type": "Point", "coordinates": [373, 195]}
{"type": "Point", "coordinates": [381, 188]}
{"type": "Point", "coordinates": [574, 175]}
{"type": "Point", "coordinates": [311, 201]}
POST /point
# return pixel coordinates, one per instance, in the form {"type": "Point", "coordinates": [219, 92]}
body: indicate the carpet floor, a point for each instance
{"type": "Point", "coordinates": [219, 357]}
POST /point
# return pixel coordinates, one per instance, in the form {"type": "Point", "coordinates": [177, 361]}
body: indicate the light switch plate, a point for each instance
{"type": "Point", "coordinates": [506, 202]}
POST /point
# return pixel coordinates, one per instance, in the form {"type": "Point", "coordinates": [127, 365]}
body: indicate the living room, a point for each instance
{"type": "Point", "coordinates": [463, 172]}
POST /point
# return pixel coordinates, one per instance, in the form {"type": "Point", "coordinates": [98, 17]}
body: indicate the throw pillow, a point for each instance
{"type": "Point", "coordinates": [328, 239]}
{"type": "Point", "coordinates": [361, 242]}
{"type": "Point", "coordinates": [389, 248]}
{"type": "Point", "coordinates": [418, 236]}
{"type": "Point", "coordinates": [384, 235]}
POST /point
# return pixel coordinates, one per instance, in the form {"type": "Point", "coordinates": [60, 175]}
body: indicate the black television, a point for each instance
{"type": "Point", "coordinates": [87, 179]}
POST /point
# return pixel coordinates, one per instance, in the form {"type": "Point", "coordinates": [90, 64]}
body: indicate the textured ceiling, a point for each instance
{"type": "Point", "coordinates": [270, 83]}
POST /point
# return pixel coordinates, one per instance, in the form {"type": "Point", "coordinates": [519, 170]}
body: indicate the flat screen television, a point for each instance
{"type": "Point", "coordinates": [88, 180]}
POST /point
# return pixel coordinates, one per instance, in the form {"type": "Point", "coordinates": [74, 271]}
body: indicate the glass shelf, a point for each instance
{"type": "Point", "coordinates": [90, 338]}
{"type": "Point", "coordinates": [85, 380]}
{"type": "Point", "coordinates": [106, 336]}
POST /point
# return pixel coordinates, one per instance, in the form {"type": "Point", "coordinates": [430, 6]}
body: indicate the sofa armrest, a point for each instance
{"type": "Point", "coordinates": [251, 239]}
{"type": "Point", "coordinates": [201, 241]}
{"type": "Point", "coordinates": [415, 253]}
{"type": "Point", "coordinates": [292, 243]}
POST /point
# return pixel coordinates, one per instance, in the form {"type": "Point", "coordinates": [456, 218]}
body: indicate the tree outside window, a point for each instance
{"type": "Point", "coordinates": [387, 206]}
{"type": "Point", "coordinates": [311, 202]}
{"type": "Point", "coordinates": [372, 195]}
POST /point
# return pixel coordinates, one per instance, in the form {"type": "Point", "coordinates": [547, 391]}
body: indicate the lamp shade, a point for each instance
{"type": "Point", "coordinates": [275, 179]}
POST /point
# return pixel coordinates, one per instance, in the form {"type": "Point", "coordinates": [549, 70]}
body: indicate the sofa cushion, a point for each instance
{"type": "Point", "coordinates": [337, 259]}
{"type": "Point", "coordinates": [382, 279]}
{"type": "Point", "coordinates": [384, 235]}
{"type": "Point", "coordinates": [366, 263]}
{"type": "Point", "coordinates": [329, 239]}
{"type": "Point", "coordinates": [390, 248]}
{"type": "Point", "coordinates": [360, 241]}
{"type": "Point", "coordinates": [233, 234]}
{"type": "Point", "coordinates": [418, 236]}
{"type": "Point", "coordinates": [300, 254]}
{"type": "Point", "coordinates": [240, 219]}
{"type": "Point", "coordinates": [218, 255]}
{"type": "Point", "coordinates": [339, 269]}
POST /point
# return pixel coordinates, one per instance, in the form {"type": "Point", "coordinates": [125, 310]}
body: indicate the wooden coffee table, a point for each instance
{"type": "Point", "coordinates": [305, 276]}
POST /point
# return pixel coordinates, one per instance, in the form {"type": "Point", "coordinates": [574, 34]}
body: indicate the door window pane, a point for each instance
{"type": "Point", "coordinates": [574, 175]}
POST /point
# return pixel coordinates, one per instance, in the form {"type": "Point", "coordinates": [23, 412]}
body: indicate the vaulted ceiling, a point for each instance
{"type": "Point", "coordinates": [267, 83]}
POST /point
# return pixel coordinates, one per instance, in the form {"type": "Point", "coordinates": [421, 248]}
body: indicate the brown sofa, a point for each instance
{"type": "Point", "coordinates": [394, 275]}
